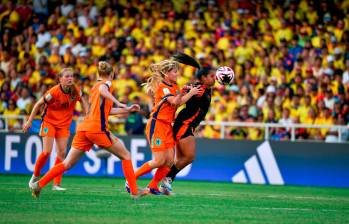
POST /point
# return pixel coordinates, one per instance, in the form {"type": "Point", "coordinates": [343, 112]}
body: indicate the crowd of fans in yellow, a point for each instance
{"type": "Point", "coordinates": [291, 58]}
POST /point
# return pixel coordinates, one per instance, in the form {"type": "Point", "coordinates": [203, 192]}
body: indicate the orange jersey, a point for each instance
{"type": "Point", "coordinates": [96, 120]}
{"type": "Point", "coordinates": [163, 110]}
{"type": "Point", "coordinates": [59, 106]}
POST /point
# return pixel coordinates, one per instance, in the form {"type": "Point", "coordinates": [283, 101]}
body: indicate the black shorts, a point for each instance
{"type": "Point", "coordinates": [181, 131]}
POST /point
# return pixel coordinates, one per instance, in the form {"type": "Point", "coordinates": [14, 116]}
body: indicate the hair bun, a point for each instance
{"type": "Point", "coordinates": [104, 67]}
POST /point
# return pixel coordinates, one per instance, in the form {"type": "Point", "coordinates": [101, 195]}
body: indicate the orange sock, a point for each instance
{"type": "Point", "coordinates": [52, 173]}
{"type": "Point", "coordinates": [160, 173]}
{"type": "Point", "coordinates": [144, 169]}
{"type": "Point", "coordinates": [58, 179]}
{"type": "Point", "coordinates": [40, 163]}
{"type": "Point", "coordinates": [129, 175]}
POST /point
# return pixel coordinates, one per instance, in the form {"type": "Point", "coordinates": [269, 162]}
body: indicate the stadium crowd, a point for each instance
{"type": "Point", "coordinates": [291, 59]}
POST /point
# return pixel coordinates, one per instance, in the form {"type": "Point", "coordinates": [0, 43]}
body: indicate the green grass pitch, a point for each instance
{"type": "Point", "coordinates": [103, 200]}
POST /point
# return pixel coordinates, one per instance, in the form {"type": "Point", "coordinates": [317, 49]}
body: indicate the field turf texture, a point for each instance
{"type": "Point", "coordinates": [104, 200]}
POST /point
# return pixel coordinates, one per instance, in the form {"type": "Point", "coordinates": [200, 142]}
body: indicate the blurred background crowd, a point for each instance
{"type": "Point", "coordinates": [291, 58]}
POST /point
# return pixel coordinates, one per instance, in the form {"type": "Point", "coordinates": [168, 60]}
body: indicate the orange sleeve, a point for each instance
{"type": "Point", "coordinates": [164, 91]}
{"type": "Point", "coordinates": [50, 95]}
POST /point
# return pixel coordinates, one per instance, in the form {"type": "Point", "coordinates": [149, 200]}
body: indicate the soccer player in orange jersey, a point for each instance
{"type": "Point", "coordinates": [57, 116]}
{"type": "Point", "coordinates": [94, 130]}
{"type": "Point", "coordinates": [163, 87]}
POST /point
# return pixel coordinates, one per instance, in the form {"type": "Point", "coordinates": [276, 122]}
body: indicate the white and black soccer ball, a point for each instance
{"type": "Point", "coordinates": [225, 75]}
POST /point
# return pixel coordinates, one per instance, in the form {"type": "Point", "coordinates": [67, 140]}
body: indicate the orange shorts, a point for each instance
{"type": "Point", "coordinates": [49, 130]}
{"type": "Point", "coordinates": [159, 135]}
{"type": "Point", "coordinates": [84, 140]}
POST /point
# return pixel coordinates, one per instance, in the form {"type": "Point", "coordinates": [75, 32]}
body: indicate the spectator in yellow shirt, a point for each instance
{"type": "Point", "coordinates": [324, 118]}
{"type": "Point", "coordinates": [243, 52]}
{"type": "Point", "coordinates": [304, 108]}
{"type": "Point", "coordinates": [12, 110]}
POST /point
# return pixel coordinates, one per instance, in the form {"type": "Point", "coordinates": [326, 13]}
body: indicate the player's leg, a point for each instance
{"type": "Point", "coordinates": [163, 170]}
{"type": "Point", "coordinates": [174, 170]}
{"type": "Point", "coordinates": [80, 144]}
{"type": "Point", "coordinates": [42, 159]}
{"type": "Point", "coordinates": [159, 159]}
{"type": "Point", "coordinates": [187, 147]}
{"type": "Point", "coordinates": [47, 132]}
{"type": "Point", "coordinates": [156, 134]}
{"type": "Point", "coordinates": [118, 149]}
{"type": "Point", "coordinates": [185, 154]}
{"type": "Point", "coordinates": [61, 145]}
{"type": "Point", "coordinates": [73, 157]}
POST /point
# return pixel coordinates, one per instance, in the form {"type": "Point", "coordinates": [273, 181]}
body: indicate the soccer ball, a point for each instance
{"type": "Point", "coordinates": [225, 75]}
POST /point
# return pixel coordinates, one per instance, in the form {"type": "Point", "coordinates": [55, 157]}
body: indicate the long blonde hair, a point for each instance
{"type": "Point", "coordinates": [157, 74]}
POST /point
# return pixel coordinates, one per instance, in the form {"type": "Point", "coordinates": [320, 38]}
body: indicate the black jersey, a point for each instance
{"type": "Point", "coordinates": [195, 109]}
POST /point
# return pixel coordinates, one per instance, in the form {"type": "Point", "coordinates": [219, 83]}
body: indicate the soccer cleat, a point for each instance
{"type": "Point", "coordinates": [32, 180]}
{"type": "Point", "coordinates": [35, 189]}
{"type": "Point", "coordinates": [166, 186]}
{"type": "Point", "coordinates": [58, 188]}
{"type": "Point", "coordinates": [153, 191]}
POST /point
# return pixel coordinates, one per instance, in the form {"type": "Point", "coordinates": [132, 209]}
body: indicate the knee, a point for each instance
{"type": "Point", "coordinates": [158, 163]}
{"type": "Point", "coordinates": [125, 156]}
{"type": "Point", "coordinates": [60, 155]}
{"type": "Point", "coordinates": [187, 159]}
{"type": "Point", "coordinates": [67, 165]}
{"type": "Point", "coordinates": [169, 162]}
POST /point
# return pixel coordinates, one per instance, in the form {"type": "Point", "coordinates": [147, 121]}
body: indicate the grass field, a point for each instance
{"type": "Point", "coordinates": [103, 200]}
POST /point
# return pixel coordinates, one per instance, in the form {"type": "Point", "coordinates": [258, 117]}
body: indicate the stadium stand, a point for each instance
{"type": "Point", "coordinates": [291, 60]}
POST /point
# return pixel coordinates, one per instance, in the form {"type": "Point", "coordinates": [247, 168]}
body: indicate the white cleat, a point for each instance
{"type": "Point", "coordinates": [35, 189]}
{"type": "Point", "coordinates": [166, 186]}
{"type": "Point", "coordinates": [32, 180]}
{"type": "Point", "coordinates": [58, 188]}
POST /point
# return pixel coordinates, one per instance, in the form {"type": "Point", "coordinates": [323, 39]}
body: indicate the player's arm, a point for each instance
{"type": "Point", "coordinates": [123, 111]}
{"type": "Point", "coordinates": [35, 110]}
{"type": "Point", "coordinates": [182, 99]}
{"type": "Point", "coordinates": [84, 104]}
{"type": "Point", "coordinates": [104, 91]}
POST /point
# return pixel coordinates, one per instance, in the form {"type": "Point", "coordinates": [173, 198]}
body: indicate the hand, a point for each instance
{"type": "Point", "coordinates": [26, 126]}
{"type": "Point", "coordinates": [186, 89]}
{"type": "Point", "coordinates": [134, 108]}
{"type": "Point", "coordinates": [194, 90]}
{"type": "Point", "coordinates": [201, 91]}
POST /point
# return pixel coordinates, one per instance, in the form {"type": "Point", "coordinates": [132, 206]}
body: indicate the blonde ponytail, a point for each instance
{"type": "Point", "coordinates": [157, 74]}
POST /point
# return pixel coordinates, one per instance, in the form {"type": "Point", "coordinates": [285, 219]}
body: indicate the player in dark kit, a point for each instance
{"type": "Point", "coordinates": [185, 124]}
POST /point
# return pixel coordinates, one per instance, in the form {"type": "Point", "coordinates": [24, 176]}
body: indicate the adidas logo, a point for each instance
{"type": "Point", "coordinates": [260, 169]}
